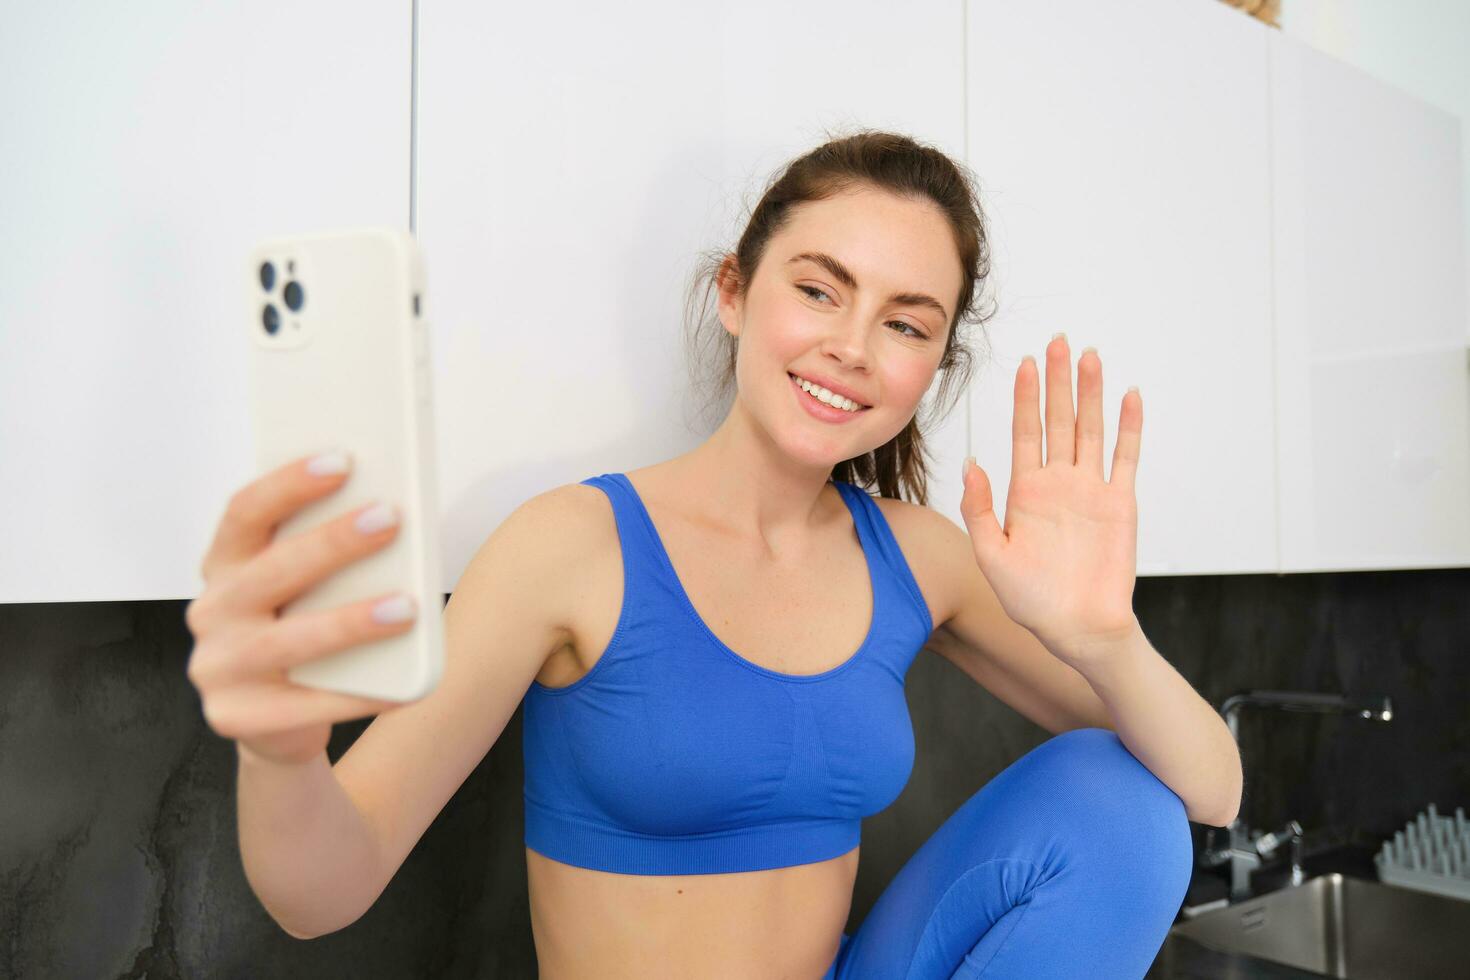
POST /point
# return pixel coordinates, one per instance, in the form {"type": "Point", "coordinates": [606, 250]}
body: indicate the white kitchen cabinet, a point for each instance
{"type": "Point", "coordinates": [1122, 150]}
{"type": "Point", "coordinates": [1373, 450]}
{"type": "Point", "coordinates": [146, 147]}
{"type": "Point", "coordinates": [572, 166]}
{"type": "Point", "coordinates": [1267, 241]}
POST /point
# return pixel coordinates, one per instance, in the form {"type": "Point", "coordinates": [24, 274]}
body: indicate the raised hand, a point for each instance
{"type": "Point", "coordinates": [1066, 562]}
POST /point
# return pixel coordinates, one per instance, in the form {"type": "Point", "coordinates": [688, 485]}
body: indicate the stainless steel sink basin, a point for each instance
{"type": "Point", "coordinates": [1344, 927]}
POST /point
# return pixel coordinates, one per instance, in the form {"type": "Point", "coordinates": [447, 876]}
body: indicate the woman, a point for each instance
{"type": "Point", "coordinates": [711, 650]}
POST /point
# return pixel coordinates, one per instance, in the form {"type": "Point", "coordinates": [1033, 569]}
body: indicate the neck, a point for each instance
{"type": "Point", "coordinates": [749, 486]}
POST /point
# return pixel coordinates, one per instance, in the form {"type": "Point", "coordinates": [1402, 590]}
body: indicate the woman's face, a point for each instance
{"type": "Point", "coordinates": [863, 323]}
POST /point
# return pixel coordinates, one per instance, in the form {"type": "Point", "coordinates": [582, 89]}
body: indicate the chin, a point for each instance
{"type": "Point", "coordinates": [821, 454]}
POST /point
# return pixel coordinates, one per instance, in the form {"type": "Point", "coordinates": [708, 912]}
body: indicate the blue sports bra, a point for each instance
{"type": "Point", "coordinates": [676, 755]}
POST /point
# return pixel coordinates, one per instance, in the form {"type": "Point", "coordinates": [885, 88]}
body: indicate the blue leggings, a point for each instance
{"type": "Point", "coordinates": [1072, 862]}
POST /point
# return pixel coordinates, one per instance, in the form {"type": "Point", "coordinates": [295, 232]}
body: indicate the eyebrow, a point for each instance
{"type": "Point", "coordinates": [846, 277]}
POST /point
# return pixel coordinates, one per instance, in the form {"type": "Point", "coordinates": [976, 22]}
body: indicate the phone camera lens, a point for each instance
{"type": "Point", "coordinates": [271, 318]}
{"type": "Point", "coordinates": [267, 276]}
{"type": "Point", "coordinates": [294, 295]}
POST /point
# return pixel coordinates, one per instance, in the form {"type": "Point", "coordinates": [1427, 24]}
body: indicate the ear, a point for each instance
{"type": "Point", "coordinates": [730, 305]}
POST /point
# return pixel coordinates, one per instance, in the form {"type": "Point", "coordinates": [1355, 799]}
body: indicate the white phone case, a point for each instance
{"type": "Point", "coordinates": [349, 368]}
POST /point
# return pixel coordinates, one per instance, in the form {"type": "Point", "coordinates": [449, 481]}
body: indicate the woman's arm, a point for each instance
{"type": "Point", "coordinates": [1169, 728]}
{"type": "Point", "coordinates": [320, 843]}
{"type": "Point", "coordinates": [974, 633]}
{"type": "Point", "coordinates": [1132, 689]}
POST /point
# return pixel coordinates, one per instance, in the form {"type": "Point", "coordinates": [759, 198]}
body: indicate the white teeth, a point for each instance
{"type": "Point", "coordinates": [823, 395]}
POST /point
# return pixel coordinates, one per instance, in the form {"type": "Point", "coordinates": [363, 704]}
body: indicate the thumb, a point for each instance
{"type": "Point", "coordinates": [977, 507]}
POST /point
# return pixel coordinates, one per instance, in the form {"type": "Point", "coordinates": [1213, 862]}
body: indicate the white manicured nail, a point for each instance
{"type": "Point", "coordinates": [394, 609]}
{"type": "Point", "coordinates": [328, 463]}
{"type": "Point", "coordinates": [376, 518]}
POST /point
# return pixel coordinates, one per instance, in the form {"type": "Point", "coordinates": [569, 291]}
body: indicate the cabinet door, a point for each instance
{"type": "Point", "coordinates": [1122, 152]}
{"type": "Point", "coordinates": [1370, 320]}
{"type": "Point", "coordinates": [146, 147]}
{"type": "Point", "coordinates": [575, 164]}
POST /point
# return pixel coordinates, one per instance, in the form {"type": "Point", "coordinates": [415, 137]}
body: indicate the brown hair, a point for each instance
{"type": "Point", "coordinates": [887, 161]}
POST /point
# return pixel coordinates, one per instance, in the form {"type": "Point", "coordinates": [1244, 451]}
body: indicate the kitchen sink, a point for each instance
{"type": "Point", "coordinates": [1341, 926]}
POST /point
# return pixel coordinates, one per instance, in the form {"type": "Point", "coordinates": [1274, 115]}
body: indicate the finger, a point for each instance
{"type": "Point", "coordinates": [252, 514]}
{"type": "Point", "coordinates": [1130, 437]}
{"type": "Point", "coordinates": [1026, 420]}
{"type": "Point", "coordinates": [1060, 421]}
{"type": "Point", "coordinates": [977, 507]}
{"type": "Point", "coordinates": [1089, 412]}
{"type": "Point", "coordinates": [300, 637]}
{"type": "Point", "coordinates": [293, 565]}
{"type": "Point", "coordinates": [252, 710]}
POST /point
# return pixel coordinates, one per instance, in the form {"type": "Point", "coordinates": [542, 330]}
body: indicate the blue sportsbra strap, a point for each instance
{"type": "Point", "coordinates": [634, 539]}
{"type": "Point", "coordinates": [888, 546]}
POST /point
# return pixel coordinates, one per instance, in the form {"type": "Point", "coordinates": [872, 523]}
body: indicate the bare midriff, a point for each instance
{"type": "Point", "coordinates": [778, 923]}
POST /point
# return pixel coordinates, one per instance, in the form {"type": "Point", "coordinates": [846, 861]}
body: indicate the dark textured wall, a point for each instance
{"type": "Point", "coordinates": [118, 855]}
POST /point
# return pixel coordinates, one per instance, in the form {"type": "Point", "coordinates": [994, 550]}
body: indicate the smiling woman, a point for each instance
{"type": "Point", "coordinates": [893, 240]}
{"type": "Point", "coordinates": [710, 654]}
{"type": "Point", "coordinates": [694, 810]}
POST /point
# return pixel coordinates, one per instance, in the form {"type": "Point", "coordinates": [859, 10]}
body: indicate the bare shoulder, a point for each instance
{"type": "Point", "coordinates": [547, 543]}
{"type": "Point", "coordinates": [937, 551]}
{"type": "Point", "coordinates": [568, 518]}
{"type": "Point", "coordinates": [579, 571]}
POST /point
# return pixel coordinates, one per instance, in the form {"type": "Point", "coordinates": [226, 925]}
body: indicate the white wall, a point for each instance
{"type": "Point", "coordinates": [1420, 46]}
{"type": "Point", "coordinates": [144, 148]}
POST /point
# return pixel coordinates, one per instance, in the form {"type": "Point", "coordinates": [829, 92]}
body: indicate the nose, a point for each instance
{"type": "Point", "coordinates": [848, 344]}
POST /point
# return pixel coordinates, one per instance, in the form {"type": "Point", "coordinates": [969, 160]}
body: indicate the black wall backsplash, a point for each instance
{"type": "Point", "coordinates": [118, 855]}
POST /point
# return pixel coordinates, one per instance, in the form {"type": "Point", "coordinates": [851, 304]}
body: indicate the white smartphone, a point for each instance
{"type": "Point", "coordinates": [339, 357]}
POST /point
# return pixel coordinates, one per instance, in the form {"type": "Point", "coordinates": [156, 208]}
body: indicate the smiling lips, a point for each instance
{"type": "Point", "coordinates": [828, 396]}
{"type": "Point", "coordinates": [819, 409]}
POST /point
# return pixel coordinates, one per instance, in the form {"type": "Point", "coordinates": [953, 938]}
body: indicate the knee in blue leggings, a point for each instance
{"type": "Point", "coordinates": [1071, 862]}
{"type": "Point", "coordinates": [1097, 785]}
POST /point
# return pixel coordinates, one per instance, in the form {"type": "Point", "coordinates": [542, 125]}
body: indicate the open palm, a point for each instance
{"type": "Point", "coordinates": [1065, 564]}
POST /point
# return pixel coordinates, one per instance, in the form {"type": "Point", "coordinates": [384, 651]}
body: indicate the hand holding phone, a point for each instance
{"type": "Point", "coordinates": [339, 356]}
{"type": "Point", "coordinates": [244, 648]}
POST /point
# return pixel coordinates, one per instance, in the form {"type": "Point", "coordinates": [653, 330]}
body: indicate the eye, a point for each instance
{"type": "Point", "coordinates": [902, 323]}
{"type": "Point", "coordinates": [811, 289]}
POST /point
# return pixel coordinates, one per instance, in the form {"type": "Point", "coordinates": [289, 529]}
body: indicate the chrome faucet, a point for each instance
{"type": "Point", "coordinates": [1247, 848]}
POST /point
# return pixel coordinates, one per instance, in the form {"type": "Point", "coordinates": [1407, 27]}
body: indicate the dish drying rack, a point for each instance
{"type": "Point", "coordinates": [1431, 853]}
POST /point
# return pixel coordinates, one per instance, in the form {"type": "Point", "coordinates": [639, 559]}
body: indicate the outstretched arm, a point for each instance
{"type": "Point", "coordinates": [1064, 567]}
